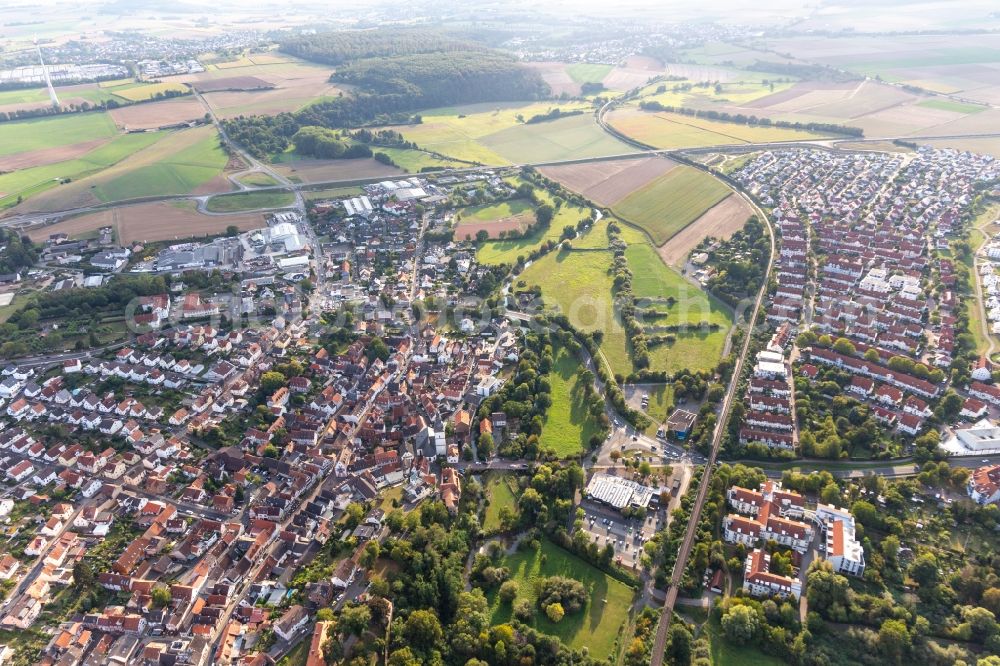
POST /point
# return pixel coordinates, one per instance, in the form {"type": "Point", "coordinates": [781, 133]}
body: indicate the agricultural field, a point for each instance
{"type": "Point", "coordinates": [557, 78]}
{"type": "Point", "coordinates": [240, 201]}
{"type": "Point", "coordinates": [606, 183]}
{"type": "Point", "coordinates": [150, 222]}
{"type": "Point", "coordinates": [950, 105]}
{"type": "Point", "coordinates": [140, 92]}
{"type": "Point", "coordinates": [493, 134]}
{"type": "Point", "coordinates": [153, 115]}
{"type": "Point", "coordinates": [500, 491]}
{"type": "Point", "coordinates": [231, 83]}
{"type": "Point", "coordinates": [936, 62]}
{"type": "Point", "coordinates": [671, 130]}
{"type": "Point", "coordinates": [596, 626]}
{"type": "Point", "coordinates": [512, 215]}
{"type": "Point", "coordinates": [670, 203]}
{"type": "Point", "coordinates": [695, 349]}
{"type": "Point", "coordinates": [720, 221]}
{"type": "Point", "coordinates": [415, 161]}
{"type": "Point", "coordinates": [733, 93]}
{"type": "Point", "coordinates": [181, 162]}
{"type": "Point", "coordinates": [26, 182]}
{"type": "Point", "coordinates": [567, 428]}
{"type": "Point", "coordinates": [23, 136]}
{"type": "Point", "coordinates": [588, 73]}
{"type": "Point", "coordinates": [976, 144]}
{"type": "Point", "coordinates": [239, 85]}
{"type": "Point", "coordinates": [36, 98]}
{"type": "Point", "coordinates": [310, 170]}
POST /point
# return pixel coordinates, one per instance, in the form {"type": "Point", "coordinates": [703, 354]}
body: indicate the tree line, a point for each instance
{"type": "Point", "coordinates": [743, 119]}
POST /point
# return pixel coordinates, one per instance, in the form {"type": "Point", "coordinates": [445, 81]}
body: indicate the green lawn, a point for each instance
{"type": "Point", "coordinates": [567, 426]}
{"type": "Point", "coordinates": [29, 182]}
{"type": "Point", "coordinates": [672, 201]}
{"type": "Point", "coordinates": [597, 625]}
{"type": "Point", "coordinates": [949, 105]}
{"type": "Point", "coordinates": [258, 179]}
{"type": "Point", "coordinates": [231, 203]}
{"type": "Point", "coordinates": [583, 72]}
{"type": "Point", "coordinates": [176, 173]}
{"type": "Point", "coordinates": [333, 193]}
{"type": "Point", "coordinates": [63, 130]}
{"type": "Point", "coordinates": [496, 211]}
{"type": "Point", "coordinates": [499, 490]}
{"type": "Point", "coordinates": [696, 349]}
{"type": "Point", "coordinates": [578, 284]}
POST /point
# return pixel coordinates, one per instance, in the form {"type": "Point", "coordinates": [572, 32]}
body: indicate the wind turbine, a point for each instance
{"type": "Point", "coordinates": [45, 72]}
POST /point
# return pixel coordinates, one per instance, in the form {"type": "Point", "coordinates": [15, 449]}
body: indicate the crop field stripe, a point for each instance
{"type": "Point", "coordinates": [25, 135]}
{"type": "Point", "coordinates": [670, 203]}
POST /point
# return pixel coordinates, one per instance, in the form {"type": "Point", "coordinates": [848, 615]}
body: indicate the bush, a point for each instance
{"type": "Point", "coordinates": [508, 591]}
{"type": "Point", "coordinates": [523, 610]}
{"type": "Point", "coordinates": [570, 594]}
{"type": "Point", "coordinates": [555, 612]}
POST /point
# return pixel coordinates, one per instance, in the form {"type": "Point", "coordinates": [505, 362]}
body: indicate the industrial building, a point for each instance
{"type": "Point", "coordinates": [620, 493]}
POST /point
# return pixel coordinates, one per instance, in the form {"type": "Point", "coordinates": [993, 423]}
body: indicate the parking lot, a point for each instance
{"type": "Point", "coordinates": [606, 526]}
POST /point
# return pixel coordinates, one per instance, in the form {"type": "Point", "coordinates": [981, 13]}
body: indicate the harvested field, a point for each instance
{"type": "Point", "coordinates": [232, 83]}
{"type": "Point", "coordinates": [607, 183]}
{"type": "Point", "coordinates": [467, 229]}
{"type": "Point", "coordinates": [151, 222]}
{"type": "Point", "coordinates": [152, 115]}
{"type": "Point", "coordinates": [513, 215]}
{"type": "Point", "coordinates": [52, 155]}
{"type": "Point", "coordinates": [975, 144]}
{"type": "Point", "coordinates": [878, 146]}
{"type": "Point", "coordinates": [292, 86]}
{"type": "Point", "coordinates": [866, 98]}
{"type": "Point", "coordinates": [644, 62]}
{"type": "Point", "coordinates": [910, 119]}
{"type": "Point", "coordinates": [720, 221]}
{"type": "Point", "coordinates": [307, 170]}
{"type": "Point", "coordinates": [986, 122]}
{"type": "Point", "coordinates": [555, 74]}
{"type": "Point", "coordinates": [626, 78]}
{"type": "Point", "coordinates": [672, 130]}
{"type": "Point", "coordinates": [703, 73]}
{"type": "Point", "coordinates": [144, 91]}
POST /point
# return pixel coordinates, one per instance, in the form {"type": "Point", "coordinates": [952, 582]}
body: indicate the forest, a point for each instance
{"type": "Point", "coordinates": [391, 89]}
{"type": "Point", "coordinates": [337, 48]}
